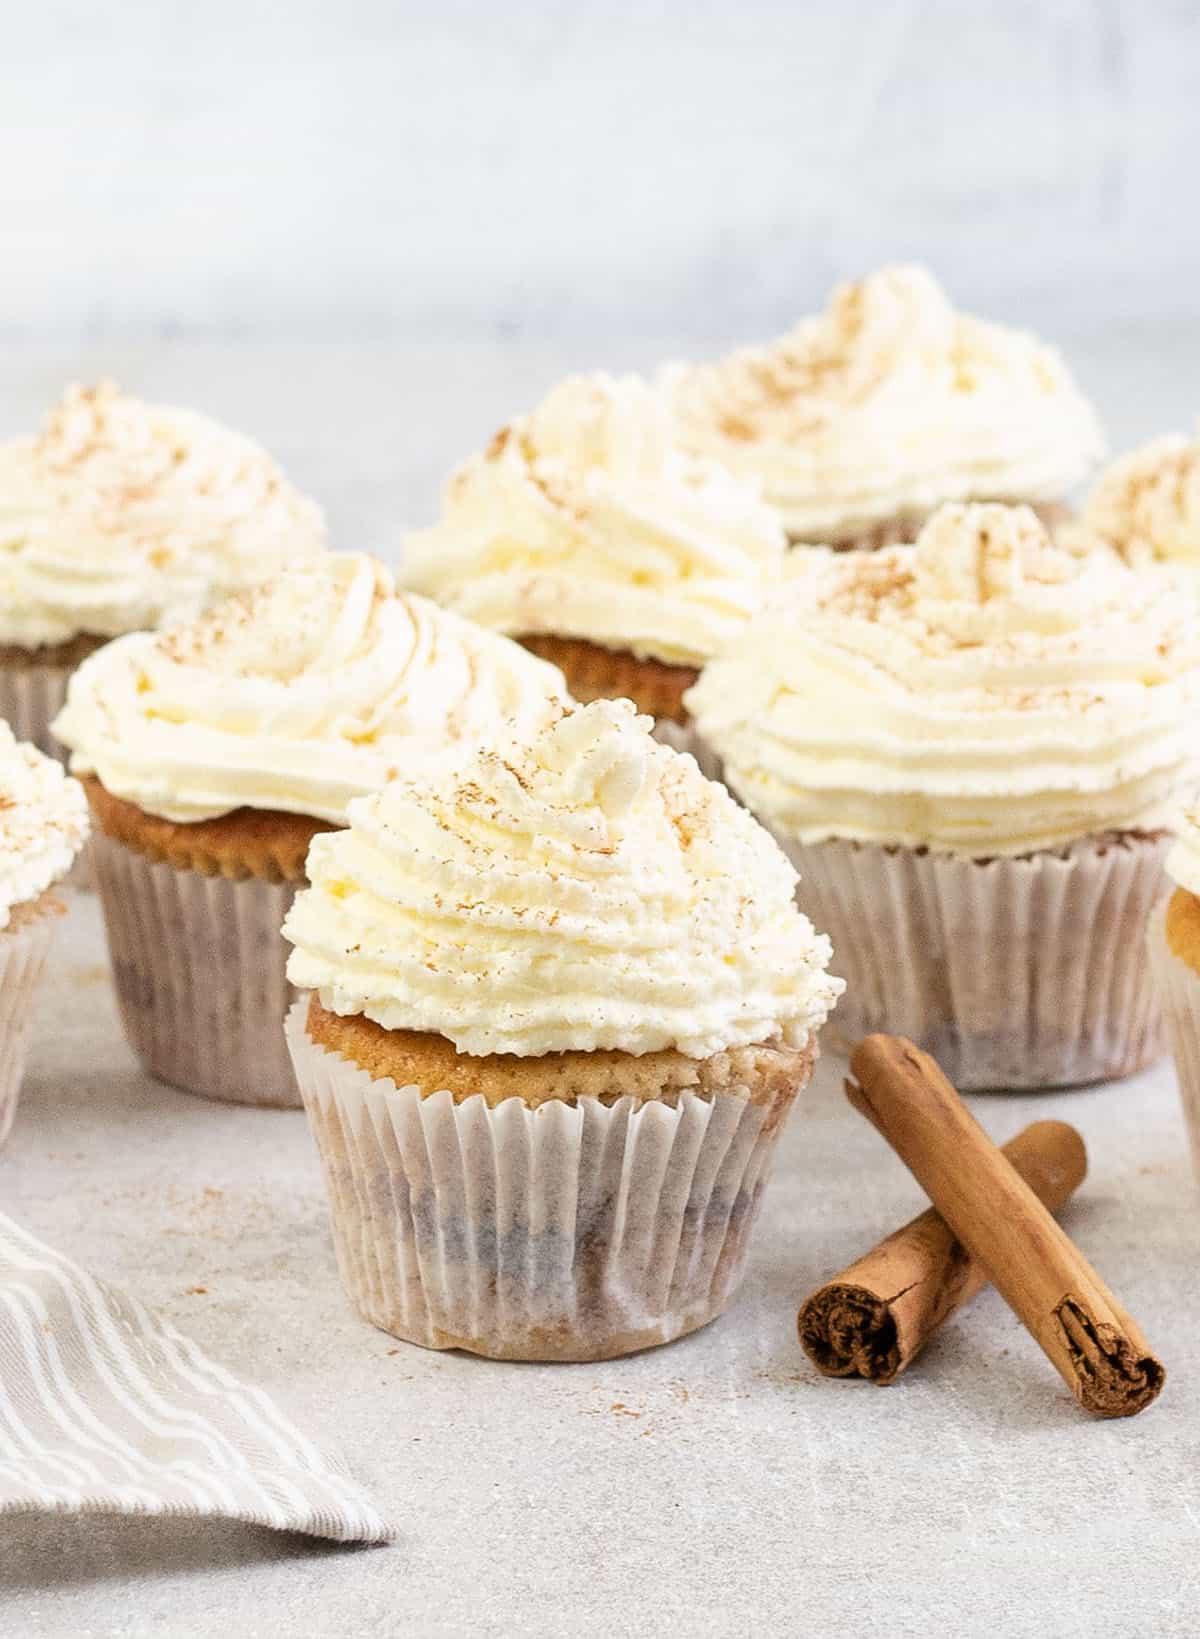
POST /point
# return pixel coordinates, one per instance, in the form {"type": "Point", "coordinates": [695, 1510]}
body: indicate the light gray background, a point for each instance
{"type": "Point", "coordinates": [531, 169]}
{"type": "Point", "coordinates": [369, 232]}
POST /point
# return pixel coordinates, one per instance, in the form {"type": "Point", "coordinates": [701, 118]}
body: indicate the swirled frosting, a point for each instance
{"type": "Point", "coordinates": [122, 516]}
{"type": "Point", "coordinates": [1147, 504]}
{"type": "Point", "coordinates": [297, 696]}
{"type": "Point", "coordinates": [886, 405]}
{"type": "Point", "coordinates": [583, 520]}
{"type": "Point", "coordinates": [578, 889]}
{"type": "Point", "coordinates": [983, 692]}
{"type": "Point", "coordinates": [43, 822]}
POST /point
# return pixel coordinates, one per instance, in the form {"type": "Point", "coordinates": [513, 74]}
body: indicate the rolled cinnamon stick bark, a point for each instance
{"type": "Point", "coordinates": [1096, 1346]}
{"type": "Point", "coordinates": [874, 1318]}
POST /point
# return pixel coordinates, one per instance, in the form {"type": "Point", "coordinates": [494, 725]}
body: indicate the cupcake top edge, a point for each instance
{"type": "Point", "coordinates": [583, 519]}
{"type": "Point", "coordinates": [120, 515]}
{"type": "Point", "coordinates": [1147, 503]}
{"type": "Point", "coordinates": [297, 696]}
{"type": "Point", "coordinates": [886, 404]}
{"type": "Point", "coordinates": [582, 888]}
{"type": "Point", "coordinates": [987, 690]}
{"type": "Point", "coordinates": [43, 822]}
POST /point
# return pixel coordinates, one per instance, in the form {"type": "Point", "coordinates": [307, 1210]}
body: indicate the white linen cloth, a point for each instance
{"type": "Point", "coordinates": [107, 1409]}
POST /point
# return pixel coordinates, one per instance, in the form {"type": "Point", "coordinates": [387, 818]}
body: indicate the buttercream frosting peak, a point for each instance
{"type": "Point", "coordinates": [613, 424]}
{"type": "Point", "coordinates": [1148, 502]}
{"type": "Point", "coordinates": [598, 759]}
{"type": "Point", "coordinates": [583, 519]}
{"type": "Point", "coordinates": [583, 888]}
{"type": "Point", "coordinates": [299, 695]}
{"type": "Point", "coordinates": [886, 404]}
{"type": "Point", "coordinates": [121, 516]}
{"type": "Point", "coordinates": [984, 691]}
{"type": "Point", "coordinates": [987, 571]}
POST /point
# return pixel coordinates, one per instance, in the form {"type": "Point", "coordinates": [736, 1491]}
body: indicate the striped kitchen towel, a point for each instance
{"type": "Point", "coordinates": [106, 1409]}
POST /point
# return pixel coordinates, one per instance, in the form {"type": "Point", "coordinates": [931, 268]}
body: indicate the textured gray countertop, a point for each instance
{"type": "Point", "coordinates": [713, 1487]}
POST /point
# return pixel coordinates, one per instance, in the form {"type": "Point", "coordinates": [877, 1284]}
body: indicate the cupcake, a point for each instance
{"type": "Point", "coordinates": [1175, 959]}
{"type": "Point", "coordinates": [584, 533]}
{"type": "Point", "coordinates": [213, 753]}
{"type": "Point", "coordinates": [1147, 504]}
{"type": "Point", "coordinates": [970, 748]}
{"type": "Point", "coordinates": [122, 516]}
{"type": "Point", "coordinates": [861, 421]}
{"type": "Point", "coordinates": [561, 1002]}
{"type": "Point", "coordinates": [43, 824]}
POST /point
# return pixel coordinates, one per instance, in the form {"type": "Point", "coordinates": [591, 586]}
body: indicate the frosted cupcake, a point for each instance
{"type": "Point", "coordinates": [1147, 504]}
{"type": "Point", "coordinates": [863, 419]}
{"type": "Point", "coordinates": [213, 753]}
{"type": "Point", "coordinates": [1175, 958]}
{"type": "Point", "coordinates": [970, 747]}
{"type": "Point", "coordinates": [562, 1003]}
{"type": "Point", "coordinates": [583, 532]}
{"type": "Point", "coordinates": [122, 516]}
{"type": "Point", "coordinates": [43, 824]}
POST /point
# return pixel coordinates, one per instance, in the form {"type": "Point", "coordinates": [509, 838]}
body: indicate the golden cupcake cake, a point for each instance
{"type": "Point", "coordinates": [1174, 944]}
{"type": "Point", "coordinates": [43, 825]}
{"type": "Point", "coordinates": [561, 1001]}
{"type": "Point", "coordinates": [212, 754]}
{"type": "Point", "coordinates": [1147, 504]}
{"type": "Point", "coordinates": [121, 516]}
{"type": "Point", "coordinates": [583, 532]}
{"type": "Point", "coordinates": [971, 748]}
{"type": "Point", "coordinates": [863, 419]}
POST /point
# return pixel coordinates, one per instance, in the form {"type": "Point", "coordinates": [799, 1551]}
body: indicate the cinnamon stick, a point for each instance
{"type": "Point", "coordinates": [1096, 1346]}
{"type": "Point", "coordinates": [874, 1318]}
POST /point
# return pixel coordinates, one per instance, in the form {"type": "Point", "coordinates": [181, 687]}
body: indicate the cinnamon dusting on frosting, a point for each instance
{"type": "Point", "coordinates": [1147, 504]}
{"type": "Point", "coordinates": [986, 691]}
{"type": "Point", "coordinates": [584, 520]}
{"type": "Point", "coordinates": [43, 823]}
{"type": "Point", "coordinates": [295, 696]}
{"type": "Point", "coordinates": [579, 889]}
{"type": "Point", "coordinates": [886, 404]}
{"type": "Point", "coordinates": [120, 515]}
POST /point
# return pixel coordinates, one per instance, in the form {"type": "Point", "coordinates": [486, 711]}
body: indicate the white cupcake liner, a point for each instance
{"type": "Point", "coordinates": [1179, 992]}
{"type": "Point", "coordinates": [31, 697]}
{"type": "Point", "coordinates": [1013, 973]}
{"type": "Point", "coordinates": [200, 969]}
{"type": "Point", "coordinates": [23, 952]}
{"type": "Point", "coordinates": [563, 1232]}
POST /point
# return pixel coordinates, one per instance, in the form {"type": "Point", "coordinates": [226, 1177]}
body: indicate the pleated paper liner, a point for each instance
{"type": "Point", "coordinates": [200, 970]}
{"type": "Point", "coordinates": [570, 1231]}
{"type": "Point", "coordinates": [31, 697]}
{"type": "Point", "coordinates": [24, 946]}
{"type": "Point", "coordinates": [1013, 973]}
{"type": "Point", "coordinates": [1179, 992]}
